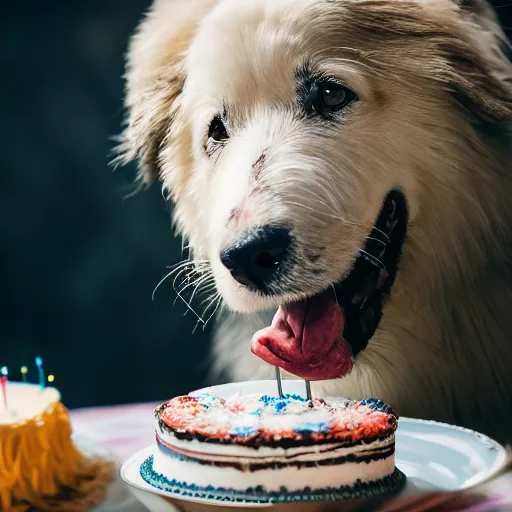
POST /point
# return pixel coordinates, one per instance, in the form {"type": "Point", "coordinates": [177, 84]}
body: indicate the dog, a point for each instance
{"type": "Point", "coordinates": [341, 170]}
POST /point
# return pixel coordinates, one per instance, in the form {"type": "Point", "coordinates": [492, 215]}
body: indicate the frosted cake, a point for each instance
{"type": "Point", "coordinates": [262, 448]}
{"type": "Point", "coordinates": [40, 466]}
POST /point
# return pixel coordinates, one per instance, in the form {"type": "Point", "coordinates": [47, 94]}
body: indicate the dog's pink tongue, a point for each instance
{"type": "Point", "coordinates": [305, 339]}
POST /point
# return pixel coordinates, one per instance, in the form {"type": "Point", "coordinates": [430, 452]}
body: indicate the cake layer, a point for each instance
{"type": "Point", "coordinates": [212, 451]}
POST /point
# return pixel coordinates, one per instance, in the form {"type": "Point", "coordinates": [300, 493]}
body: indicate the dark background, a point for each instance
{"type": "Point", "coordinates": [78, 261]}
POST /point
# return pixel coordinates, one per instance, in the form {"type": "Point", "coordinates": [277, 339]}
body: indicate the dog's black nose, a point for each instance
{"type": "Point", "coordinates": [256, 258]}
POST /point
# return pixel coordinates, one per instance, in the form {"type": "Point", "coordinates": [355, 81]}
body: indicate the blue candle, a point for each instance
{"type": "Point", "coordinates": [39, 364]}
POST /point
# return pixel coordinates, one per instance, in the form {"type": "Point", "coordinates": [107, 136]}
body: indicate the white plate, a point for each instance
{"type": "Point", "coordinates": [433, 456]}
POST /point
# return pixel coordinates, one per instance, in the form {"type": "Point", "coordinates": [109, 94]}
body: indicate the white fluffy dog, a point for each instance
{"type": "Point", "coordinates": [346, 163]}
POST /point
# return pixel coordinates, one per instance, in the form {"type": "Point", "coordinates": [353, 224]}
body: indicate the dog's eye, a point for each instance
{"type": "Point", "coordinates": [334, 95]}
{"type": "Point", "coordinates": [217, 131]}
{"type": "Point", "coordinates": [327, 96]}
{"type": "Point", "coordinates": [217, 135]}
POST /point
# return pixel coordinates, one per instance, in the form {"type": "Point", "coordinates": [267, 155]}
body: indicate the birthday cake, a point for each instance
{"type": "Point", "coordinates": [40, 466]}
{"type": "Point", "coordinates": [273, 449]}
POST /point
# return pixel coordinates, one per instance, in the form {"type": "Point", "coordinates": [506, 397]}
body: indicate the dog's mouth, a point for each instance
{"type": "Point", "coordinates": [318, 338]}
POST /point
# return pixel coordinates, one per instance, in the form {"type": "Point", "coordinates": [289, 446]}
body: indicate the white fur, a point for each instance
{"type": "Point", "coordinates": [443, 347]}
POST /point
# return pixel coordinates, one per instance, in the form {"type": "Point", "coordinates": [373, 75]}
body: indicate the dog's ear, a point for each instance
{"type": "Point", "coordinates": [155, 76]}
{"type": "Point", "coordinates": [482, 65]}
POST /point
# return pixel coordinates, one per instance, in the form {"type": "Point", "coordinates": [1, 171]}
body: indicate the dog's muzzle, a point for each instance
{"type": "Point", "coordinates": [257, 258]}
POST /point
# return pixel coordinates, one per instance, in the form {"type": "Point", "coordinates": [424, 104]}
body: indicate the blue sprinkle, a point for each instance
{"type": "Point", "coordinates": [279, 406]}
{"type": "Point", "coordinates": [270, 400]}
{"type": "Point", "coordinates": [243, 431]}
{"type": "Point", "coordinates": [378, 405]}
{"type": "Point", "coordinates": [257, 412]}
{"type": "Point", "coordinates": [311, 426]}
{"type": "Point", "coordinates": [207, 399]}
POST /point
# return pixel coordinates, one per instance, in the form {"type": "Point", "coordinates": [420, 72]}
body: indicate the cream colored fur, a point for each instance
{"type": "Point", "coordinates": [433, 117]}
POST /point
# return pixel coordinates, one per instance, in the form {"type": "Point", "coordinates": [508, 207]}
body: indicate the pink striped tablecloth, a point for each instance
{"type": "Point", "coordinates": [124, 430]}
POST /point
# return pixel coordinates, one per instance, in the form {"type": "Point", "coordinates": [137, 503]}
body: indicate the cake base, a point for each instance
{"type": "Point", "coordinates": [388, 485]}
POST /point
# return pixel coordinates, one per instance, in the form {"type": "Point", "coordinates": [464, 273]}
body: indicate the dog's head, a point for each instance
{"type": "Point", "coordinates": [301, 140]}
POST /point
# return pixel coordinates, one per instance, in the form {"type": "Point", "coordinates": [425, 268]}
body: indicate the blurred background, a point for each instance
{"type": "Point", "coordinates": [79, 260]}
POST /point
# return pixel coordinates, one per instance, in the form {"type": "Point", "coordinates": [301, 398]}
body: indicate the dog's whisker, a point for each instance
{"type": "Point", "coordinates": [374, 259]}
{"type": "Point", "coordinates": [167, 276]}
{"type": "Point", "coordinates": [195, 327]}
{"type": "Point", "coordinates": [195, 265]}
{"type": "Point", "coordinates": [208, 289]}
{"type": "Point", "coordinates": [218, 300]}
{"type": "Point", "coordinates": [208, 285]}
{"type": "Point", "coordinates": [376, 240]}
{"type": "Point", "coordinates": [185, 302]}
{"type": "Point", "coordinates": [187, 262]}
{"type": "Point", "coordinates": [192, 269]}
{"type": "Point", "coordinates": [197, 281]}
{"type": "Point", "coordinates": [335, 294]}
{"type": "Point", "coordinates": [188, 276]}
{"type": "Point", "coordinates": [385, 235]}
{"type": "Point", "coordinates": [216, 296]}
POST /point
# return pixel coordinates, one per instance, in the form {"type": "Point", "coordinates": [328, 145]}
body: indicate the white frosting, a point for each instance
{"type": "Point", "coordinates": [291, 477]}
{"type": "Point", "coordinates": [24, 401]}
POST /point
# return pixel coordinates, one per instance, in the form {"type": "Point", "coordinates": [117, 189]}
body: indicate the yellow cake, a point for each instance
{"type": "Point", "coordinates": [40, 466]}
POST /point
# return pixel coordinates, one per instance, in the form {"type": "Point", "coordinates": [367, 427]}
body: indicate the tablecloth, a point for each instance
{"type": "Point", "coordinates": [123, 430]}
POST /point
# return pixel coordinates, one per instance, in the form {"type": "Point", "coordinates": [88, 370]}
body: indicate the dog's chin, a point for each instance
{"type": "Point", "coordinates": [317, 336]}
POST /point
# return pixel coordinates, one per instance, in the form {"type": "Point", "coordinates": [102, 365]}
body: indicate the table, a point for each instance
{"type": "Point", "coordinates": [123, 430]}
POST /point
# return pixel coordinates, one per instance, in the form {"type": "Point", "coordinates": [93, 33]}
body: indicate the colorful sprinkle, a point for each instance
{"type": "Point", "coordinates": [266, 399]}
{"type": "Point", "coordinates": [378, 405]}
{"type": "Point", "coordinates": [243, 431]}
{"type": "Point", "coordinates": [207, 400]}
{"type": "Point", "coordinates": [320, 426]}
{"type": "Point", "coordinates": [266, 420]}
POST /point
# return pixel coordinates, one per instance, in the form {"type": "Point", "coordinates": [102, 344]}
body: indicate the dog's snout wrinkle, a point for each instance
{"type": "Point", "coordinates": [258, 166]}
{"type": "Point", "coordinates": [238, 214]}
{"type": "Point", "coordinates": [257, 257]}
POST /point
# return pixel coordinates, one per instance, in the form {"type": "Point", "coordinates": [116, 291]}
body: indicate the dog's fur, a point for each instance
{"type": "Point", "coordinates": [434, 118]}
